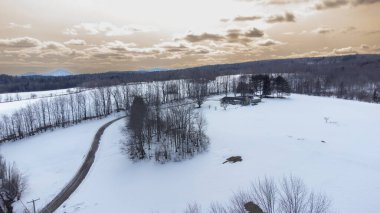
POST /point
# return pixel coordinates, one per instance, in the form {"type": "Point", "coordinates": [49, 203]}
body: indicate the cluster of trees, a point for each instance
{"type": "Point", "coordinates": [164, 132]}
{"type": "Point", "coordinates": [12, 186]}
{"type": "Point", "coordinates": [263, 85]}
{"type": "Point", "coordinates": [290, 195]}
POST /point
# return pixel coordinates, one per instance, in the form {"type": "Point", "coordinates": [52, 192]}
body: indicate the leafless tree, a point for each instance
{"type": "Point", "coordinates": [199, 91]}
{"type": "Point", "coordinates": [238, 201]}
{"type": "Point", "coordinates": [193, 208]}
{"type": "Point", "coordinates": [12, 185]}
{"type": "Point", "coordinates": [293, 196]}
{"type": "Point", "coordinates": [263, 192]}
{"type": "Point", "coordinates": [290, 195]}
{"type": "Point", "coordinates": [217, 208]}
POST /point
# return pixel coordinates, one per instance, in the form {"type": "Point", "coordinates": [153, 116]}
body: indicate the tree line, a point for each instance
{"type": "Point", "coordinates": [263, 85]}
{"type": "Point", "coordinates": [351, 77]}
{"type": "Point", "coordinates": [54, 112]}
{"type": "Point", "coordinates": [341, 84]}
{"type": "Point", "coordinates": [50, 113]}
{"type": "Point", "coordinates": [62, 111]}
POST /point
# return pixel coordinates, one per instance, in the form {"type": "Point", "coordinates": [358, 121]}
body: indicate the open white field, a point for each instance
{"type": "Point", "coordinates": [275, 138]}
{"type": "Point", "coordinates": [35, 94]}
{"type": "Point", "coordinates": [7, 108]}
{"type": "Point", "coordinates": [51, 159]}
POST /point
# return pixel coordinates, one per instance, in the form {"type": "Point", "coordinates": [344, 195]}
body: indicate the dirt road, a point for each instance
{"type": "Point", "coordinates": [80, 175]}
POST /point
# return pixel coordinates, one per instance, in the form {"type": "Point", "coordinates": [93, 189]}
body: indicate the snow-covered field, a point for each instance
{"type": "Point", "coordinates": [32, 95]}
{"type": "Point", "coordinates": [51, 159]}
{"type": "Point", "coordinates": [275, 138]}
{"type": "Point", "coordinates": [7, 108]}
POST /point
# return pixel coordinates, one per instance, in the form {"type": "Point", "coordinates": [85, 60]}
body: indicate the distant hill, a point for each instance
{"type": "Point", "coordinates": [53, 73]}
{"type": "Point", "coordinates": [59, 73]}
{"type": "Point", "coordinates": [154, 70]}
{"type": "Point", "coordinates": [363, 69]}
{"type": "Point", "coordinates": [29, 74]}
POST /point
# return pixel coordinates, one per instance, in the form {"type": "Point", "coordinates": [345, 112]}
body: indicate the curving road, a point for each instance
{"type": "Point", "coordinates": [80, 175]}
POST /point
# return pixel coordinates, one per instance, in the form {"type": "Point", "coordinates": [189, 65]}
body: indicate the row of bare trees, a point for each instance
{"type": "Point", "coordinates": [12, 185]}
{"type": "Point", "coordinates": [172, 131]}
{"type": "Point", "coordinates": [52, 112]}
{"type": "Point", "coordinates": [289, 195]}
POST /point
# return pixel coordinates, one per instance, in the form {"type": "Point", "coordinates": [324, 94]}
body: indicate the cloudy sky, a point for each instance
{"type": "Point", "coordinates": [102, 35]}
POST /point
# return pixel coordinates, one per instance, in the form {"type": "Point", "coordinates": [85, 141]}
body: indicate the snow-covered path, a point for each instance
{"type": "Point", "coordinates": [49, 160]}
{"type": "Point", "coordinates": [81, 173]}
{"type": "Point", "coordinates": [275, 138]}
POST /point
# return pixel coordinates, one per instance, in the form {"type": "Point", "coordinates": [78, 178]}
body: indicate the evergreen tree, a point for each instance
{"type": "Point", "coordinates": [257, 85]}
{"type": "Point", "coordinates": [375, 96]}
{"type": "Point", "coordinates": [261, 85]}
{"type": "Point", "coordinates": [199, 91]}
{"type": "Point", "coordinates": [138, 114]}
{"type": "Point", "coordinates": [318, 87]}
{"type": "Point", "coordinates": [242, 88]}
{"type": "Point", "coordinates": [267, 89]}
{"type": "Point", "coordinates": [281, 86]}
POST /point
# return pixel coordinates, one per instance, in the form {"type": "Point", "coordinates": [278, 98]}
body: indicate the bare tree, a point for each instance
{"type": "Point", "coordinates": [12, 185]}
{"type": "Point", "coordinates": [199, 91]}
{"type": "Point", "coordinates": [263, 192]}
{"type": "Point", "coordinates": [217, 208]}
{"type": "Point", "coordinates": [293, 196]}
{"type": "Point", "coordinates": [318, 203]}
{"type": "Point", "coordinates": [238, 201]}
{"type": "Point", "coordinates": [290, 195]}
{"type": "Point", "coordinates": [193, 208]}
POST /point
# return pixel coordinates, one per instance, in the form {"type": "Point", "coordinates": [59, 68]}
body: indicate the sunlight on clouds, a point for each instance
{"type": "Point", "coordinates": [98, 35]}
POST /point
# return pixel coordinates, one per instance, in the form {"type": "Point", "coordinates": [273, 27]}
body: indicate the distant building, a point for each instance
{"type": "Point", "coordinates": [243, 100]}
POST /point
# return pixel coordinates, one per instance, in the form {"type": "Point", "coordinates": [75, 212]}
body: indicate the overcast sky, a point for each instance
{"type": "Point", "coordinates": [87, 36]}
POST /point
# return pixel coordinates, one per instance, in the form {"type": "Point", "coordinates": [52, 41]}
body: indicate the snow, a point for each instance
{"type": "Point", "coordinates": [275, 138]}
{"type": "Point", "coordinates": [38, 94]}
{"type": "Point", "coordinates": [278, 137]}
{"type": "Point", "coordinates": [59, 72]}
{"type": "Point", "coordinates": [51, 159]}
{"type": "Point", "coordinates": [7, 108]}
